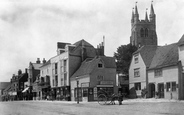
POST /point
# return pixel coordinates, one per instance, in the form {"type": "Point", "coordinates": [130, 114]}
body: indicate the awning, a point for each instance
{"type": "Point", "coordinates": [25, 89]}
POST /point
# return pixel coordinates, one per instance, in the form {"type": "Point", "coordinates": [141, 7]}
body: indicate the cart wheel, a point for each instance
{"type": "Point", "coordinates": [102, 99]}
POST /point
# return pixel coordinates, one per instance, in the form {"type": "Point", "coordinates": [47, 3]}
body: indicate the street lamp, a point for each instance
{"type": "Point", "coordinates": [77, 89]}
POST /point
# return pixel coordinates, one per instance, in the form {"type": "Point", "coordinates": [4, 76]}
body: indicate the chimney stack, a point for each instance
{"type": "Point", "coordinates": [44, 61]}
{"type": "Point", "coordinates": [19, 72]}
{"type": "Point", "coordinates": [38, 61]}
{"type": "Point", "coordinates": [25, 70]}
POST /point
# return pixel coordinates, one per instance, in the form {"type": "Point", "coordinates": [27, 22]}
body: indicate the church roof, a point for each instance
{"type": "Point", "coordinates": [152, 10]}
{"type": "Point", "coordinates": [165, 56]}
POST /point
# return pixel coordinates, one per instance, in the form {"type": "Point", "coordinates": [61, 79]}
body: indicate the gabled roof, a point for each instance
{"type": "Point", "coordinates": [147, 52]}
{"type": "Point", "coordinates": [90, 50]}
{"type": "Point", "coordinates": [90, 64]}
{"type": "Point", "coordinates": [8, 87]}
{"type": "Point", "coordinates": [181, 41]}
{"type": "Point", "coordinates": [165, 56]}
{"type": "Point", "coordinates": [82, 42]}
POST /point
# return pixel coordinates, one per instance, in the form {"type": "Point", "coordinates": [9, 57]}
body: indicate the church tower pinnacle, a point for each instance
{"type": "Point", "coordinates": [143, 32]}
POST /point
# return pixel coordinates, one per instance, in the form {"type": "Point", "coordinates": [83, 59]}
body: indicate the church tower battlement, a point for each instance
{"type": "Point", "coordinates": [143, 32]}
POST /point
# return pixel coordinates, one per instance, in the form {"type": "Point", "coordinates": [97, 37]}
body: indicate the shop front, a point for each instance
{"type": "Point", "coordinates": [61, 93]}
{"type": "Point", "coordinates": [87, 94]}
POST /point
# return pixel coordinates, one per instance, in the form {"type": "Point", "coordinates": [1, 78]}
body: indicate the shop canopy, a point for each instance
{"type": "Point", "coordinates": [25, 89]}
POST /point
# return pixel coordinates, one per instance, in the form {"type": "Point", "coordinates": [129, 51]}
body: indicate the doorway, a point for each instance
{"type": "Point", "coordinates": [161, 90]}
{"type": "Point", "coordinates": [152, 90]}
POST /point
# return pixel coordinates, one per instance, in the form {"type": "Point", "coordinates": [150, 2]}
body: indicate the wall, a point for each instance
{"type": "Point", "coordinates": [169, 74]}
{"type": "Point", "coordinates": [108, 73]}
{"type": "Point", "coordinates": [58, 59]}
{"type": "Point", "coordinates": [133, 79]}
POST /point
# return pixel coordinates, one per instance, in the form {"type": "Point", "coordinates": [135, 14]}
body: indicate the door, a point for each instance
{"type": "Point", "coordinates": [152, 90]}
{"type": "Point", "coordinates": [161, 90]}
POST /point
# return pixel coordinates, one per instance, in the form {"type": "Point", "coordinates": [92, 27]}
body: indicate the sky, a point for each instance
{"type": "Point", "coordinates": [30, 29]}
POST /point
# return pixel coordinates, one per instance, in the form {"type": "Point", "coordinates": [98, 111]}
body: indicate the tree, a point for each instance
{"type": "Point", "coordinates": [123, 57]}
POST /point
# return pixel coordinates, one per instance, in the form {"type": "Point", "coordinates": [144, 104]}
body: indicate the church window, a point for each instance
{"type": "Point", "coordinates": [146, 32]}
{"type": "Point", "coordinates": [142, 32]}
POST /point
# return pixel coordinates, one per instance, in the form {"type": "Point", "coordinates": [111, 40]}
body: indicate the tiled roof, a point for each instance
{"type": "Point", "coordinates": [36, 65]}
{"type": "Point", "coordinates": [85, 43]}
{"type": "Point", "coordinates": [181, 41]}
{"type": "Point", "coordinates": [147, 52]}
{"type": "Point", "coordinates": [90, 50]}
{"type": "Point", "coordinates": [3, 85]}
{"type": "Point", "coordinates": [89, 65]}
{"type": "Point", "coordinates": [47, 63]}
{"type": "Point", "coordinates": [165, 56]}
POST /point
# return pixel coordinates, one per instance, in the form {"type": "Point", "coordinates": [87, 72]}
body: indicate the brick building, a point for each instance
{"type": "Point", "coordinates": [94, 74]}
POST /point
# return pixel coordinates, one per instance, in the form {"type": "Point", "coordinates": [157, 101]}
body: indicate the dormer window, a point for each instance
{"type": "Point", "coordinates": [100, 65]}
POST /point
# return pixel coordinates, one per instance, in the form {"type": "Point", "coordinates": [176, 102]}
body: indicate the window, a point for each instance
{"type": "Point", "coordinates": [137, 86]}
{"type": "Point", "coordinates": [56, 79]}
{"type": "Point", "coordinates": [56, 64]}
{"type": "Point", "coordinates": [61, 81]}
{"type": "Point", "coordinates": [53, 82]}
{"type": "Point", "coordinates": [100, 65]}
{"type": "Point", "coordinates": [65, 65]}
{"type": "Point", "coordinates": [136, 59]}
{"type": "Point", "coordinates": [85, 92]}
{"type": "Point", "coordinates": [146, 32]}
{"type": "Point", "coordinates": [158, 73]}
{"type": "Point", "coordinates": [65, 79]}
{"type": "Point", "coordinates": [136, 72]}
{"type": "Point", "coordinates": [173, 84]}
{"type": "Point", "coordinates": [142, 32]}
{"type": "Point", "coordinates": [168, 86]}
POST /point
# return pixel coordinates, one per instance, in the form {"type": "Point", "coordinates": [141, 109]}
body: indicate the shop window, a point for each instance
{"type": "Point", "coordinates": [158, 73]}
{"type": "Point", "coordinates": [136, 59]}
{"type": "Point", "coordinates": [85, 92]}
{"type": "Point", "coordinates": [173, 86]}
{"type": "Point", "coordinates": [168, 86]}
{"type": "Point", "coordinates": [137, 86]}
{"type": "Point", "coordinates": [136, 72]}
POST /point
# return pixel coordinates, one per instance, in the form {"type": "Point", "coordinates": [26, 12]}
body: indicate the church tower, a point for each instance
{"type": "Point", "coordinates": [143, 32]}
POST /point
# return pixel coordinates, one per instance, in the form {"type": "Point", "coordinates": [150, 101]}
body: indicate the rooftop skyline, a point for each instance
{"type": "Point", "coordinates": [31, 29]}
